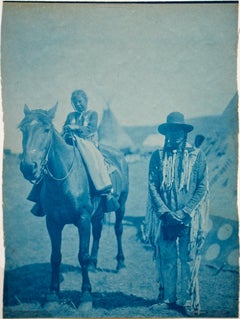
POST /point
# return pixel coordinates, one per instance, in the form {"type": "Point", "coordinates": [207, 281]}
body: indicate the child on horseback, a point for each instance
{"type": "Point", "coordinates": [81, 128]}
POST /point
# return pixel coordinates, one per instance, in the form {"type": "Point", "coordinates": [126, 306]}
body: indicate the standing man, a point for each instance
{"type": "Point", "coordinates": [177, 212]}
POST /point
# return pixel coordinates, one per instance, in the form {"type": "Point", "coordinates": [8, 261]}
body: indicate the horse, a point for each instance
{"type": "Point", "coordinates": [66, 194]}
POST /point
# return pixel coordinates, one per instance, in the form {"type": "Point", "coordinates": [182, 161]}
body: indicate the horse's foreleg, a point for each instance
{"type": "Point", "coordinates": [84, 225]}
{"type": "Point", "coordinates": [118, 232]}
{"type": "Point", "coordinates": [55, 233]}
{"type": "Point", "coordinates": [97, 224]}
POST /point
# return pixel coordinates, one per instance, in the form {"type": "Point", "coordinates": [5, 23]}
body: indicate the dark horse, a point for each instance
{"type": "Point", "coordinates": [66, 194]}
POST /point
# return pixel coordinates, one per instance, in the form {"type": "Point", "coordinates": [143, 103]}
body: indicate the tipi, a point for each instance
{"type": "Point", "coordinates": [112, 134]}
{"type": "Point", "coordinates": [221, 249]}
{"type": "Point", "coordinates": [152, 142]}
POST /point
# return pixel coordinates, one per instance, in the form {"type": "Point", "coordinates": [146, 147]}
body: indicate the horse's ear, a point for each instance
{"type": "Point", "coordinates": [26, 109]}
{"type": "Point", "coordinates": [52, 111]}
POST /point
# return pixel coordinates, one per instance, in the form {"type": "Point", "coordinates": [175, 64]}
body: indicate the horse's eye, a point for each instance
{"type": "Point", "coordinates": [46, 130]}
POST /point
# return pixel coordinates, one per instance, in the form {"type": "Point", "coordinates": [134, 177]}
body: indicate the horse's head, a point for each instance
{"type": "Point", "coordinates": [36, 128]}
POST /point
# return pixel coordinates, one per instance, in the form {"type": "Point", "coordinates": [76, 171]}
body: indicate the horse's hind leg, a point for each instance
{"type": "Point", "coordinates": [55, 233]}
{"type": "Point", "coordinates": [119, 230]}
{"type": "Point", "coordinates": [84, 225]}
{"type": "Point", "coordinates": [97, 225]}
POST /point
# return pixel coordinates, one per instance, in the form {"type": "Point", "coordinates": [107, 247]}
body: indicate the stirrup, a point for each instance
{"type": "Point", "coordinates": [105, 191]}
{"type": "Point", "coordinates": [111, 204]}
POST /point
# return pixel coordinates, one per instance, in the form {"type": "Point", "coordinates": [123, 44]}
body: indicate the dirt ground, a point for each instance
{"type": "Point", "coordinates": [130, 293]}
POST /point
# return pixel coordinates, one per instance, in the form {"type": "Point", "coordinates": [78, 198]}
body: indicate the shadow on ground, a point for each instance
{"type": "Point", "coordinates": [106, 300]}
{"type": "Point", "coordinates": [30, 283]}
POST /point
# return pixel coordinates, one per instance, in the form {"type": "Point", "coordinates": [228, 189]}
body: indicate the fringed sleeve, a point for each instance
{"type": "Point", "coordinates": [154, 183]}
{"type": "Point", "coordinates": [155, 205]}
{"type": "Point", "coordinates": [151, 223]}
{"type": "Point", "coordinates": [200, 167]}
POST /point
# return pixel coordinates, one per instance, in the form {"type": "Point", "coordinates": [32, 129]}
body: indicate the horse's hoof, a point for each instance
{"type": "Point", "coordinates": [52, 297]}
{"type": "Point", "coordinates": [92, 266]}
{"type": "Point", "coordinates": [85, 306]}
{"type": "Point", "coordinates": [120, 265]}
{"type": "Point", "coordinates": [86, 302]}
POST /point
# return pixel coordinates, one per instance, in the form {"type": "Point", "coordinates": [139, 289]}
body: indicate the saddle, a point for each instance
{"type": "Point", "coordinates": [112, 160]}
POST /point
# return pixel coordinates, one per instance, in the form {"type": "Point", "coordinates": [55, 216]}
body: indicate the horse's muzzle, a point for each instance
{"type": "Point", "coordinates": [29, 170]}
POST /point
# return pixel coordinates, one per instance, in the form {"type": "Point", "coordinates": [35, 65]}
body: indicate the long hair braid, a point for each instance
{"type": "Point", "coordinates": [182, 158]}
{"type": "Point", "coordinates": [169, 159]}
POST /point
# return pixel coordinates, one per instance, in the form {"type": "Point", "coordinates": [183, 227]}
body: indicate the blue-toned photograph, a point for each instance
{"type": "Point", "coordinates": [120, 160]}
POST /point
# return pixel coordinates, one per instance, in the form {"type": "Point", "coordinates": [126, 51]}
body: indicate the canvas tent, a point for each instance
{"type": "Point", "coordinates": [221, 249]}
{"type": "Point", "coordinates": [112, 134]}
{"type": "Point", "coordinates": [152, 142]}
{"type": "Point", "coordinates": [221, 151]}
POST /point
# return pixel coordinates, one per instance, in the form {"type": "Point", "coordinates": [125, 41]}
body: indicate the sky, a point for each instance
{"type": "Point", "coordinates": [143, 60]}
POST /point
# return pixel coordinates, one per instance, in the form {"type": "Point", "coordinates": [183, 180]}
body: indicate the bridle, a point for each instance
{"type": "Point", "coordinates": [44, 170]}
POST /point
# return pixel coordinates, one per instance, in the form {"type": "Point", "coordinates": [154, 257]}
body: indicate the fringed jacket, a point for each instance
{"type": "Point", "coordinates": [172, 189]}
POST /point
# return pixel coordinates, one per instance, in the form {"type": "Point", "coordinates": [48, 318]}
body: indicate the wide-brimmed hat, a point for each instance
{"type": "Point", "coordinates": [174, 120]}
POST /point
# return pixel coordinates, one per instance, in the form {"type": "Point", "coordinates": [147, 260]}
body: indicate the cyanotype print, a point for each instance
{"type": "Point", "coordinates": [120, 159]}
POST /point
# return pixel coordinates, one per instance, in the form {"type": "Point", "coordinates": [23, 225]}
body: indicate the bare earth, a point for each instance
{"type": "Point", "coordinates": [129, 293]}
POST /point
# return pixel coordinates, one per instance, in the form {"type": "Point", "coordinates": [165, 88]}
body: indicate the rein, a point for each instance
{"type": "Point", "coordinates": [46, 170]}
